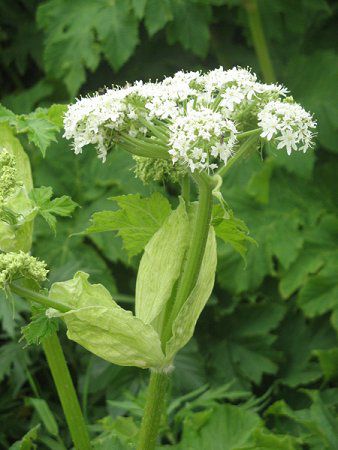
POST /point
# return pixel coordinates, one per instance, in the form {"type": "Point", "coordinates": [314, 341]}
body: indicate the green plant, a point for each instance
{"type": "Point", "coordinates": [269, 327]}
{"type": "Point", "coordinates": [194, 123]}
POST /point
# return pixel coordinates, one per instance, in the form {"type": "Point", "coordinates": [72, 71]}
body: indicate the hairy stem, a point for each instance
{"type": "Point", "coordinates": [155, 404]}
{"type": "Point", "coordinates": [66, 391]}
{"type": "Point", "coordinates": [259, 41]}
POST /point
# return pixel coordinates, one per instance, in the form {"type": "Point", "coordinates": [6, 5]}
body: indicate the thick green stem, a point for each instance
{"type": "Point", "coordinates": [199, 235]}
{"type": "Point", "coordinates": [66, 391]}
{"type": "Point", "coordinates": [259, 41]}
{"type": "Point", "coordinates": [153, 411]}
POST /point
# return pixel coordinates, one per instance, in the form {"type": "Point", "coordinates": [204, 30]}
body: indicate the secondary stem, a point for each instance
{"type": "Point", "coordinates": [38, 298]}
{"type": "Point", "coordinates": [157, 389]}
{"type": "Point", "coordinates": [66, 391]}
{"type": "Point", "coordinates": [60, 373]}
{"type": "Point", "coordinates": [259, 41]}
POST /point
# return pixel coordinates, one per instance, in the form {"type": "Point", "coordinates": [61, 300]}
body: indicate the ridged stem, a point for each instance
{"type": "Point", "coordinates": [153, 411]}
{"type": "Point", "coordinates": [66, 391]}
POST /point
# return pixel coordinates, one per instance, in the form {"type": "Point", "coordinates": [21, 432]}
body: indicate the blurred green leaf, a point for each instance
{"type": "Point", "coordinates": [45, 414]}
{"type": "Point", "coordinates": [27, 442]}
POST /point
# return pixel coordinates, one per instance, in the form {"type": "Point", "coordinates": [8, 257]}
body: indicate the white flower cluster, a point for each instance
{"type": "Point", "coordinates": [200, 137]}
{"type": "Point", "coordinates": [289, 124]}
{"type": "Point", "coordinates": [192, 118]}
{"type": "Point", "coordinates": [16, 265]}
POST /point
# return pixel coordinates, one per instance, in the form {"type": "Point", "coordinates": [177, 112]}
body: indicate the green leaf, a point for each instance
{"type": "Point", "coordinates": [77, 33]}
{"type": "Point", "coordinates": [40, 130]}
{"type": "Point", "coordinates": [161, 265]}
{"type": "Point", "coordinates": [136, 221]}
{"type": "Point", "coordinates": [56, 113]}
{"type": "Point", "coordinates": [28, 99]}
{"type": "Point", "coordinates": [298, 367]}
{"type": "Point", "coordinates": [259, 184]}
{"type": "Point", "coordinates": [320, 293]}
{"type": "Point", "coordinates": [48, 209]}
{"type": "Point", "coordinates": [315, 270]}
{"type": "Point", "coordinates": [190, 26]}
{"type": "Point", "coordinates": [157, 14]}
{"type": "Point", "coordinates": [27, 442]}
{"type": "Point", "coordinates": [185, 322]}
{"type": "Point", "coordinates": [228, 428]}
{"type": "Point", "coordinates": [317, 91]}
{"type": "Point", "coordinates": [40, 126]}
{"type": "Point", "coordinates": [328, 360]}
{"type": "Point", "coordinates": [45, 414]}
{"type": "Point", "coordinates": [318, 424]}
{"type": "Point", "coordinates": [267, 441]}
{"type": "Point", "coordinates": [40, 326]}
{"type": "Point", "coordinates": [13, 362]}
{"type": "Point", "coordinates": [98, 324]}
{"type": "Point", "coordinates": [119, 35]}
{"type": "Point", "coordinates": [246, 351]}
{"type": "Point", "coordinates": [139, 7]}
{"type": "Point", "coordinates": [231, 230]}
{"type": "Point", "coordinates": [288, 213]}
{"type": "Point", "coordinates": [6, 115]}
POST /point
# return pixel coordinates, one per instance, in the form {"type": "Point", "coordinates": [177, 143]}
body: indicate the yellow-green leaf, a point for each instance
{"type": "Point", "coordinates": [161, 264]}
{"type": "Point", "coordinates": [185, 322]}
{"type": "Point", "coordinates": [98, 324]}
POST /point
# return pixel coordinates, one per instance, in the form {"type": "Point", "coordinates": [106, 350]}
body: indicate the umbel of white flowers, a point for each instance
{"type": "Point", "coordinates": [194, 119]}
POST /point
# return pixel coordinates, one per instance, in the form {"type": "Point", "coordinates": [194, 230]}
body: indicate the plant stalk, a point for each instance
{"type": "Point", "coordinates": [259, 41]}
{"type": "Point", "coordinates": [159, 380]}
{"type": "Point", "coordinates": [31, 295]}
{"type": "Point", "coordinates": [66, 392]}
{"type": "Point", "coordinates": [155, 404]}
{"type": "Point", "coordinates": [195, 253]}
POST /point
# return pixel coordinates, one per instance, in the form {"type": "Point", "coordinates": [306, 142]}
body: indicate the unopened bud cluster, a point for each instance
{"type": "Point", "coordinates": [20, 265]}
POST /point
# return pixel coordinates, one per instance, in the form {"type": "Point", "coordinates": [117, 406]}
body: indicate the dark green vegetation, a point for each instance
{"type": "Point", "coordinates": [262, 369]}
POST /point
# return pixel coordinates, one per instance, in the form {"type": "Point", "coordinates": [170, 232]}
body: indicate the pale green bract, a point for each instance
{"type": "Point", "coordinates": [161, 264]}
{"type": "Point", "coordinates": [97, 323]}
{"type": "Point", "coordinates": [185, 322]}
{"type": "Point", "coordinates": [13, 239]}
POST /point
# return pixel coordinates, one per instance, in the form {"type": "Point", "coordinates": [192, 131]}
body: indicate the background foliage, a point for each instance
{"type": "Point", "coordinates": [261, 372]}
